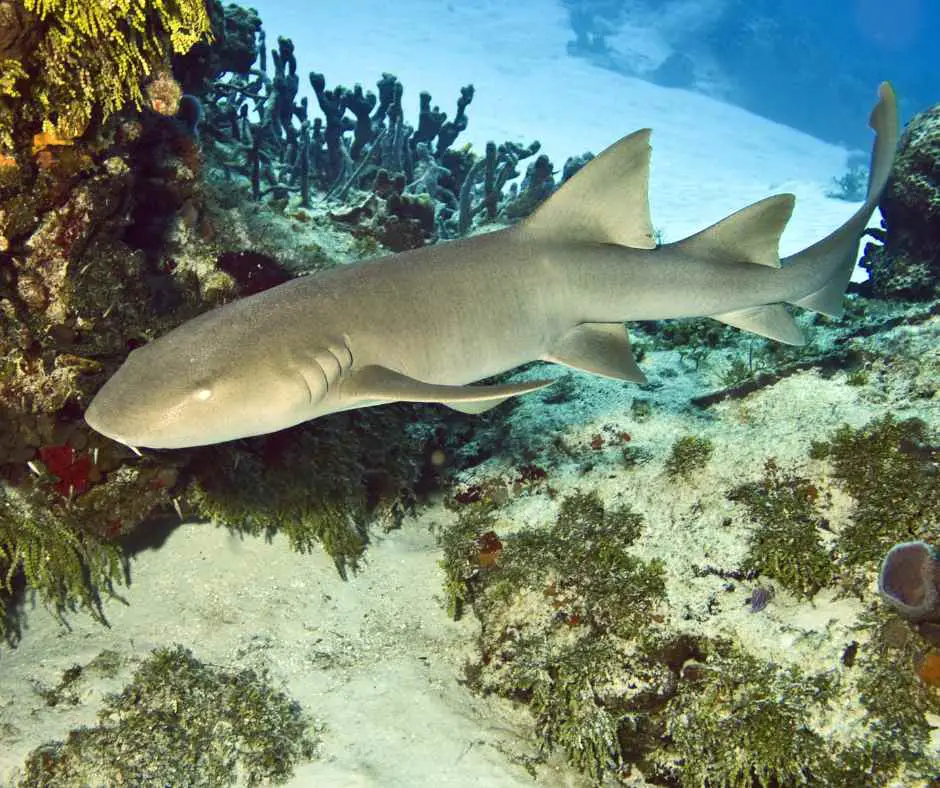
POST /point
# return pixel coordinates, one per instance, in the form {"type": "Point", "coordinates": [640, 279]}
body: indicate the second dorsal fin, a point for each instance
{"type": "Point", "coordinates": [751, 235]}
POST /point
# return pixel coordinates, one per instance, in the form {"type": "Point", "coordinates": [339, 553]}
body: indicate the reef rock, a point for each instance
{"type": "Point", "coordinates": [908, 265]}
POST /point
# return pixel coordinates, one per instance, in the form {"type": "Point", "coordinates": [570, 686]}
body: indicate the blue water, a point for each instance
{"type": "Point", "coordinates": [808, 65]}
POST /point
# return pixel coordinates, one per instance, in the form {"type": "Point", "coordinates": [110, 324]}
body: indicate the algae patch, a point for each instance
{"type": "Point", "coordinates": [182, 722]}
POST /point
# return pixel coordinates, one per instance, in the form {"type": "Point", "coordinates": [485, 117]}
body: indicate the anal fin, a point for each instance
{"type": "Point", "coordinates": [771, 321]}
{"type": "Point", "coordinates": [383, 384]}
{"type": "Point", "coordinates": [828, 299]}
{"type": "Point", "coordinates": [598, 348]}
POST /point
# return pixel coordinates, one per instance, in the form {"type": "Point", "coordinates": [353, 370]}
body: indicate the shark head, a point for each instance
{"type": "Point", "coordinates": [201, 386]}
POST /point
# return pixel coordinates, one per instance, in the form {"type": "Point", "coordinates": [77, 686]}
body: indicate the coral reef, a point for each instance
{"type": "Point", "coordinates": [114, 237]}
{"type": "Point", "coordinates": [63, 63]}
{"type": "Point", "coordinates": [75, 297]}
{"type": "Point", "coordinates": [215, 188]}
{"type": "Point", "coordinates": [907, 262]}
{"type": "Point", "coordinates": [181, 722]}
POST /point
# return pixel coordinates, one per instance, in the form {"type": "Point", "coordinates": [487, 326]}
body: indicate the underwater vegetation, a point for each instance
{"type": "Point", "coordinates": [319, 485]}
{"type": "Point", "coordinates": [786, 545]}
{"type": "Point", "coordinates": [579, 630]}
{"type": "Point", "coordinates": [64, 64]}
{"type": "Point", "coordinates": [179, 721]}
{"type": "Point", "coordinates": [890, 468]}
{"type": "Point", "coordinates": [687, 455]}
{"type": "Point", "coordinates": [64, 549]}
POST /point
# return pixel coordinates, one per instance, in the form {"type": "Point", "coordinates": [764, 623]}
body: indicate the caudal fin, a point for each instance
{"type": "Point", "coordinates": [838, 252]}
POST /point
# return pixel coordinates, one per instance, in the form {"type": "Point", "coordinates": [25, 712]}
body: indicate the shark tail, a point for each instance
{"type": "Point", "coordinates": [751, 235]}
{"type": "Point", "coordinates": [838, 252]}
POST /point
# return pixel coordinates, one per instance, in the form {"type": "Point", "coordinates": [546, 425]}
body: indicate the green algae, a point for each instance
{"type": "Point", "coordinates": [319, 484]}
{"type": "Point", "coordinates": [182, 722]}
{"type": "Point", "coordinates": [890, 468]}
{"type": "Point", "coordinates": [786, 544]}
{"type": "Point", "coordinates": [687, 455]}
{"type": "Point", "coordinates": [63, 563]}
{"type": "Point", "coordinates": [738, 721]}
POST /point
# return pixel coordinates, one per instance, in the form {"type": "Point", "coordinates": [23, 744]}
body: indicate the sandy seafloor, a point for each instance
{"type": "Point", "coordinates": [376, 659]}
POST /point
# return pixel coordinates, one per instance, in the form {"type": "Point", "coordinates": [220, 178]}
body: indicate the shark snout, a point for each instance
{"type": "Point", "coordinates": [99, 417]}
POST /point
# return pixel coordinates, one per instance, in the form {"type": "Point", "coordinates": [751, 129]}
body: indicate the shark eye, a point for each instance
{"type": "Point", "coordinates": [202, 394]}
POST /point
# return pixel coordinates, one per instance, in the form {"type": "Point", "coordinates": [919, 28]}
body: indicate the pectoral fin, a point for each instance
{"type": "Point", "coordinates": [598, 348]}
{"type": "Point", "coordinates": [383, 384]}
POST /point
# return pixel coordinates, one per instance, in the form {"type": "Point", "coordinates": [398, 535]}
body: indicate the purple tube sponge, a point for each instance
{"type": "Point", "coordinates": [909, 580]}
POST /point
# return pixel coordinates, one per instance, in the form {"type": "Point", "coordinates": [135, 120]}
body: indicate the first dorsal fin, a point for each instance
{"type": "Point", "coordinates": [606, 201]}
{"type": "Point", "coordinates": [751, 235]}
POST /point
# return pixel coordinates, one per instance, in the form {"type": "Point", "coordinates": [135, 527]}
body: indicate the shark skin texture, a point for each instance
{"type": "Point", "coordinates": [422, 325]}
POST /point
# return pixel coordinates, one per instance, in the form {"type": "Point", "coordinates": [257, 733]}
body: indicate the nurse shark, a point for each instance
{"type": "Point", "coordinates": [424, 325]}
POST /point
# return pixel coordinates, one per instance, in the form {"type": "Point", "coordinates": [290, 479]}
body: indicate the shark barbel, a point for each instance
{"type": "Point", "coordinates": [422, 325]}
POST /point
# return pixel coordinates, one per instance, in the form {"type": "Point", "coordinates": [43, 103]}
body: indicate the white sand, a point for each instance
{"type": "Point", "coordinates": [376, 659]}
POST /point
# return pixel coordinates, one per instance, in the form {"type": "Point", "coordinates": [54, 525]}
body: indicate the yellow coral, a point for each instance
{"type": "Point", "coordinates": [48, 137]}
{"type": "Point", "coordinates": [93, 57]}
